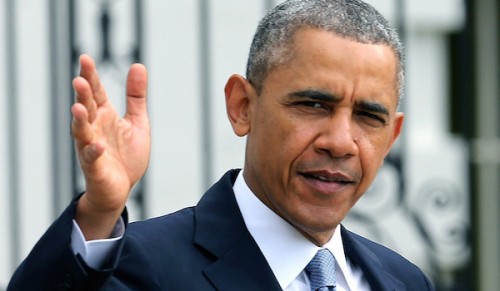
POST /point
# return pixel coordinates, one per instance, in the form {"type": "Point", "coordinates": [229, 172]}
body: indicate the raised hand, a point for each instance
{"type": "Point", "coordinates": [113, 151]}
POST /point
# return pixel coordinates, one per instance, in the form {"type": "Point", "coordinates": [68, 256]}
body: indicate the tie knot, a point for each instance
{"type": "Point", "coordinates": [321, 271]}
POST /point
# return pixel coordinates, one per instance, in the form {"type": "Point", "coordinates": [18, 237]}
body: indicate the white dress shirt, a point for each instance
{"type": "Point", "coordinates": [286, 250]}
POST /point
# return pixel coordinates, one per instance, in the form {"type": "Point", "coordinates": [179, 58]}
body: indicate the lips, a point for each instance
{"type": "Point", "coordinates": [327, 182]}
{"type": "Point", "coordinates": [327, 176]}
{"type": "Point", "coordinates": [330, 179]}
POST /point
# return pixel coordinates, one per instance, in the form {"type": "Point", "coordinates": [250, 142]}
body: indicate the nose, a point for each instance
{"type": "Point", "coordinates": [337, 137]}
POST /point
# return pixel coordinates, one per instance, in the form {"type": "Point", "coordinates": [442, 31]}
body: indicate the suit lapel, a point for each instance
{"type": "Point", "coordinates": [242, 267]}
{"type": "Point", "coordinates": [220, 230]}
{"type": "Point", "coordinates": [377, 277]}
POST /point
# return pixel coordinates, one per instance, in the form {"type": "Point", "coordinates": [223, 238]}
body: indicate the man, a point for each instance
{"type": "Point", "coordinates": [319, 110]}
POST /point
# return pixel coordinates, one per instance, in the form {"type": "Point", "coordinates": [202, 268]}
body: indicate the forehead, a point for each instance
{"type": "Point", "coordinates": [322, 60]}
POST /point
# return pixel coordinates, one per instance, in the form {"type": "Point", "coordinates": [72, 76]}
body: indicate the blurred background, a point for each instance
{"type": "Point", "coordinates": [436, 200]}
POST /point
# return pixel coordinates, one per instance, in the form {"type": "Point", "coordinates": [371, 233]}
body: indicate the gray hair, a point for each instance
{"type": "Point", "coordinates": [352, 19]}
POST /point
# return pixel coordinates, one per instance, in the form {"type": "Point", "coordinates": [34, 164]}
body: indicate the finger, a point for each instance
{"type": "Point", "coordinates": [80, 126]}
{"type": "Point", "coordinates": [85, 97]}
{"type": "Point", "coordinates": [89, 72]}
{"type": "Point", "coordinates": [90, 153]}
{"type": "Point", "coordinates": [137, 82]}
{"type": "Point", "coordinates": [88, 149]}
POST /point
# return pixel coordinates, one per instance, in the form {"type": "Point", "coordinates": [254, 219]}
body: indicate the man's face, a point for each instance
{"type": "Point", "coordinates": [320, 129]}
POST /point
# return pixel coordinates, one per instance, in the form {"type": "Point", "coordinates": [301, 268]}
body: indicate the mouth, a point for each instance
{"type": "Point", "coordinates": [327, 182]}
{"type": "Point", "coordinates": [328, 177]}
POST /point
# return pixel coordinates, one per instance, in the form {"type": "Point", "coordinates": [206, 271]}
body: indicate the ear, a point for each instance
{"type": "Point", "coordinates": [239, 97]}
{"type": "Point", "coordinates": [396, 130]}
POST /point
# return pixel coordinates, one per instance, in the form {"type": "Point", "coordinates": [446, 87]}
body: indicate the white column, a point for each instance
{"type": "Point", "coordinates": [487, 150]}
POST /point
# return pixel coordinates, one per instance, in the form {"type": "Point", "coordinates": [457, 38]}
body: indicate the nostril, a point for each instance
{"type": "Point", "coordinates": [337, 145]}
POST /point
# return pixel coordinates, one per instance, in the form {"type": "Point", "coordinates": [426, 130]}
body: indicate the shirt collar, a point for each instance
{"type": "Point", "coordinates": [286, 250]}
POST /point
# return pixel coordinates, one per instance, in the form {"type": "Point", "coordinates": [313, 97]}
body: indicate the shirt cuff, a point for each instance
{"type": "Point", "coordinates": [95, 252]}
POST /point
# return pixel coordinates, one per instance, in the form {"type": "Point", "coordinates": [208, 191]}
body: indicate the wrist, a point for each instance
{"type": "Point", "coordinates": [94, 222]}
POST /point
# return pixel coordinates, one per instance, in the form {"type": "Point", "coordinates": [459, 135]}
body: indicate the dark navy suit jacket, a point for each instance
{"type": "Point", "coordinates": [206, 247]}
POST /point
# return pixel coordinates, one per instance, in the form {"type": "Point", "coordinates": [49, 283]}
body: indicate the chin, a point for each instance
{"type": "Point", "coordinates": [321, 222]}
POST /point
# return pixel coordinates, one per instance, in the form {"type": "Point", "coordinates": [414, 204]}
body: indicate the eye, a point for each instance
{"type": "Point", "coordinates": [371, 117]}
{"type": "Point", "coordinates": [313, 104]}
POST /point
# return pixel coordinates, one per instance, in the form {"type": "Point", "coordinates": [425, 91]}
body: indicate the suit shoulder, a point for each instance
{"type": "Point", "coordinates": [179, 223]}
{"type": "Point", "coordinates": [386, 255]}
{"type": "Point", "coordinates": [390, 261]}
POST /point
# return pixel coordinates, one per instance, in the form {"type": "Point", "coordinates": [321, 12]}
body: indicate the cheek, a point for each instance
{"type": "Point", "coordinates": [371, 155]}
{"type": "Point", "coordinates": [270, 140]}
{"type": "Point", "coordinates": [298, 142]}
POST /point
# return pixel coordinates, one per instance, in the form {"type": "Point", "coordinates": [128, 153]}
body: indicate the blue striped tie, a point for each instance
{"type": "Point", "coordinates": [321, 271]}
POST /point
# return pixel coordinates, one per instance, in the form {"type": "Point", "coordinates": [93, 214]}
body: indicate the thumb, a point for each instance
{"type": "Point", "coordinates": [137, 82]}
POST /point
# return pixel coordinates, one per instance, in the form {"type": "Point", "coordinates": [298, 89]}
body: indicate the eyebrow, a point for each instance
{"type": "Point", "coordinates": [316, 95]}
{"type": "Point", "coordinates": [373, 107]}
